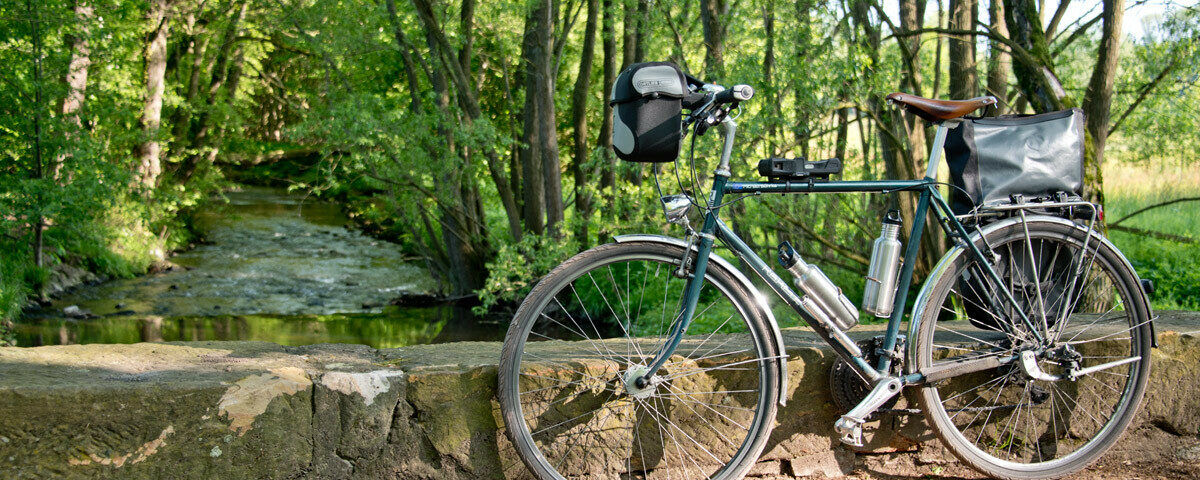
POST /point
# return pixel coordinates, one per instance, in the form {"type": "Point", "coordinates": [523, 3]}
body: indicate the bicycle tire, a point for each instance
{"type": "Point", "coordinates": [1055, 438]}
{"type": "Point", "coordinates": [670, 430]}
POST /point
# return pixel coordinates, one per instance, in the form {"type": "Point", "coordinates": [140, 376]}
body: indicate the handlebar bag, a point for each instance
{"type": "Point", "coordinates": [1032, 155]}
{"type": "Point", "coordinates": [647, 100]}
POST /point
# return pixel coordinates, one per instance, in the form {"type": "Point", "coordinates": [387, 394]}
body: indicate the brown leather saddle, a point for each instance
{"type": "Point", "coordinates": [939, 110]}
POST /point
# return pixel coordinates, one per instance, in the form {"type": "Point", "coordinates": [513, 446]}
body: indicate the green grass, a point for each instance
{"type": "Point", "coordinates": [1173, 266]}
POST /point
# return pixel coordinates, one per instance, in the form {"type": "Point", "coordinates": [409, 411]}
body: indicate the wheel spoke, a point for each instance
{"type": "Point", "coordinates": [588, 329]}
{"type": "Point", "coordinates": [1038, 417]}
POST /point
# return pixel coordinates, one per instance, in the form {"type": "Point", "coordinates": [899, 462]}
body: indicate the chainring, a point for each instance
{"type": "Point", "coordinates": [848, 388]}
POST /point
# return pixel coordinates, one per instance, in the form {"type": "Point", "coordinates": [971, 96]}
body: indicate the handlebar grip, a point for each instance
{"type": "Point", "coordinates": [737, 93]}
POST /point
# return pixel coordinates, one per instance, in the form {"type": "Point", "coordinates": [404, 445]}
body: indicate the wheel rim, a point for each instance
{"type": "Point", "coordinates": [1031, 415]}
{"type": "Point", "coordinates": [577, 403]}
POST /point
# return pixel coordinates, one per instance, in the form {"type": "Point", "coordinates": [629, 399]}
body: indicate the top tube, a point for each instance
{"type": "Point", "coordinates": [825, 186]}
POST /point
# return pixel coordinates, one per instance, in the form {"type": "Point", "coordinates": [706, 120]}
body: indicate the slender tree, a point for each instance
{"type": "Point", "coordinates": [608, 166]}
{"type": "Point", "coordinates": [1097, 100]}
{"type": "Point", "coordinates": [77, 75]}
{"type": "Point", "coordinates": [714, 18]}
{"type": "Point", "coordinates": [154, 54]}
{"type": "Point", "coordinates": [998, 59]}
{"type": "Point", "coordinates": [579, 105]}
{"type": "Point", "coordinates": [964, 76]}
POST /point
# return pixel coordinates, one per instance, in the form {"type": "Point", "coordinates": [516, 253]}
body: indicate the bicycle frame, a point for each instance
{"type": "Point", "coordinates": [715, 229]}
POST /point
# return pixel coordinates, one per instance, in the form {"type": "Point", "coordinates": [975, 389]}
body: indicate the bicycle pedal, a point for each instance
{"type": "Point", "coordinates": [849, 431]}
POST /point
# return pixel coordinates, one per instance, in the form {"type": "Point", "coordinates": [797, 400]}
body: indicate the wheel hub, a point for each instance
{"type": "Point", "coordinates": [630, 380]}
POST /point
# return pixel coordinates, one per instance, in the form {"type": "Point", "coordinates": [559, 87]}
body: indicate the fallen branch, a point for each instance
{"type": "Point", "coordinates": [1151, 207]}
{"type": "Point", "coordinates": [1158, 235]}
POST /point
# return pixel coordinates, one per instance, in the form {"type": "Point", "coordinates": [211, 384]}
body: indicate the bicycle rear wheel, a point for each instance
{"type": "Point", "coordinates": [593, 324]}
{"type": "Point", "coordinates": [1039, 412]}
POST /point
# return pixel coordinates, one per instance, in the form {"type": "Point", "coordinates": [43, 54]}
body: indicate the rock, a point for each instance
{"type": "Point", "coordinates": [1191, 454]}
{"type": "Point", "coordinates": [164, 266]}
{"type": "Point", "coordinates": [417, 300]}
{"type": "Point", "coordinates": [74, 311]}
{"type": "Point", "coordinates": [259, 410]}
{"type": "Point", "coordinates": [64, 277]}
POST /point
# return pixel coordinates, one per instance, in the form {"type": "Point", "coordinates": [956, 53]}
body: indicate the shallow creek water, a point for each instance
{"type": "Point", "coordinates": [275, 267]}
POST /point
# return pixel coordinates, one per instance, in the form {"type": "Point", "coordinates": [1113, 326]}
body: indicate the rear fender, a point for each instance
{"type": "Point", "coordinates": [922, 302]}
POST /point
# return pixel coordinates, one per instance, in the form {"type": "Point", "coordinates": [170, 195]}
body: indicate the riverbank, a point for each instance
{"type": "Point", "coordinates": [115, 239]}
{"type": "Point", "coordinates": [277, 267]}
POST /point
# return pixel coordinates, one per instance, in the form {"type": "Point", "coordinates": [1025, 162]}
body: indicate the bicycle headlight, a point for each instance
{"type": "Point", "coordinates": [676, 208]}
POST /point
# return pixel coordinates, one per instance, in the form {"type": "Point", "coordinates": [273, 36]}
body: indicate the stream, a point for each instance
{"type": "Point", "coordinates": [275, 267]}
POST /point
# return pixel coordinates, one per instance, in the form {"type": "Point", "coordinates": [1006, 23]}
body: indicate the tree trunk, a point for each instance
{"type": "Point", "coordinates": [76, 77]}
{"type": "Point", "coordinates": [155, 56]}
{"type": "Point", "coordinates": [406, 56]}
{"type": "Point", "coordinates": [537, 49]}
{"type": "Point", "coordinates": [181, 121]}
{"type": "Point", "coordinates": [38, 173]}
{"type": "Point", "coordinates": [800, 128]}
{"type": "Point", "coordinates": [629, 36]}
{"type": "Point", "coordinates": [220, 75]}
{"type": "Point", "coordinates": [712, 18]}
{"type": "Point", "coordinates": [773, 112]}
{"type": "Point", "coordinates": [579, 103]}
{"type": "Point", "coordinates": [998, 58]}
{"type": "Point", "coordinates": [1098, 99]}
{"type": "Point", "coordinates": [964, 76]}
{"type": "Point", "coordinates": [1035, 69]}
{"type": "Point", "coordinates": [642, 31]}
{"type": "Point", "coordinates": [468, 97]}
{"type": "Point", "coordinates": [608, 168]}
{"type": "Point", "coordinates": [464, 238]}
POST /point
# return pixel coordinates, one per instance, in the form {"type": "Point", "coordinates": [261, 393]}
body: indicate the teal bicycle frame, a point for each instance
{"type": "Point", "coordinates": [715, 229]}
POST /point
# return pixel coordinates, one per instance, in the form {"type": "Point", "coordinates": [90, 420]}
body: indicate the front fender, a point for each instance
{"type": "Point", "coordinates": [759, 299]}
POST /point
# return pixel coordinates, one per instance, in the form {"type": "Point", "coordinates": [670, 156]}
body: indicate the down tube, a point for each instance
{"type": "Point", "coordinates": [841, 344]}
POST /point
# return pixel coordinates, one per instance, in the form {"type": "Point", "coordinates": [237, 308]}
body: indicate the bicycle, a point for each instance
{"type": "Point", "coordinates": [1027, 345]}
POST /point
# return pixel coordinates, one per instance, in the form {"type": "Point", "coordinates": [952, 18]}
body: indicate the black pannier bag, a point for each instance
{"type": "Point", "coordinates": [1035, 156]}
{"type": "Point", "coordinates": [1031, 155]}
{"type": "Point", "coordinates": [647, 100]}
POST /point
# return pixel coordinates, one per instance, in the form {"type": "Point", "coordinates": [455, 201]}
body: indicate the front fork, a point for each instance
{"type": "Point", "coordinates": [691, 293]}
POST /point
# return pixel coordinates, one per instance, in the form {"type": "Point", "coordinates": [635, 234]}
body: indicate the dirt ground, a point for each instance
{"type": "Point", "coordinates": [1143, 454]}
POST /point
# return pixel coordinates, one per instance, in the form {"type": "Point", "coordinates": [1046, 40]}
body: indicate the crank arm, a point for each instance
{"type": "Point", "coordinates": [849, 427]}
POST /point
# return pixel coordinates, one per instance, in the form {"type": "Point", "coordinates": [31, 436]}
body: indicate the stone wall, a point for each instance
{"type": "Point", "coordinates": [260, 410]}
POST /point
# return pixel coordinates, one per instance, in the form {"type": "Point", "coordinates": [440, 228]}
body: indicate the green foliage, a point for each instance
{"type": "Point", "coordinates": [1170, 56]}
{"type": "Point", "coordinates": [1173, 266]}
{"type": "Point", "coordinates": [518, 266]}
{"type": "Point", "coordinates": [423, 160]}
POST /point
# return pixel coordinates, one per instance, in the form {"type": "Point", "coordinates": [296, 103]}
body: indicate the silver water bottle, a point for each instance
{"type": "Point", "coordinates": [822, 298]}
{"type": "Point", "coordinates": [880, 292]}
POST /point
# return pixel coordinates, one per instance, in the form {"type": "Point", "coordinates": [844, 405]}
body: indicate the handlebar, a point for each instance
{"type": "Point", "coordinates": [738, 93]}
{"type": "Point", "coordinates": [708, 108]}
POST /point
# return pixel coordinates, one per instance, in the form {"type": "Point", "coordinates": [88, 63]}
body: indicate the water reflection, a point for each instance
{"type": "Point", "coordinates": [277, 267]}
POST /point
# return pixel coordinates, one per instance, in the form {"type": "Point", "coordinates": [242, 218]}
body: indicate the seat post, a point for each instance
{"type": "Point", "coordinates": [939, 143]}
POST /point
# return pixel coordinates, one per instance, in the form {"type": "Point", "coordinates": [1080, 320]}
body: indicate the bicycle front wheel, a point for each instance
{"type": "Point", "coordinates": [591, 326]}
{"type": "Point", "coordinates": [1058, 390]}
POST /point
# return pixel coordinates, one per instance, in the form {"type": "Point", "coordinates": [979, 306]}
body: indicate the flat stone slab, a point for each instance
{"type": "Point", "coordinates": [260, 410]}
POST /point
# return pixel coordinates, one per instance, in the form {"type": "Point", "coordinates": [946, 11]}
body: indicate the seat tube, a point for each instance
{"type": "Point", "coordinates": [906, 273]}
